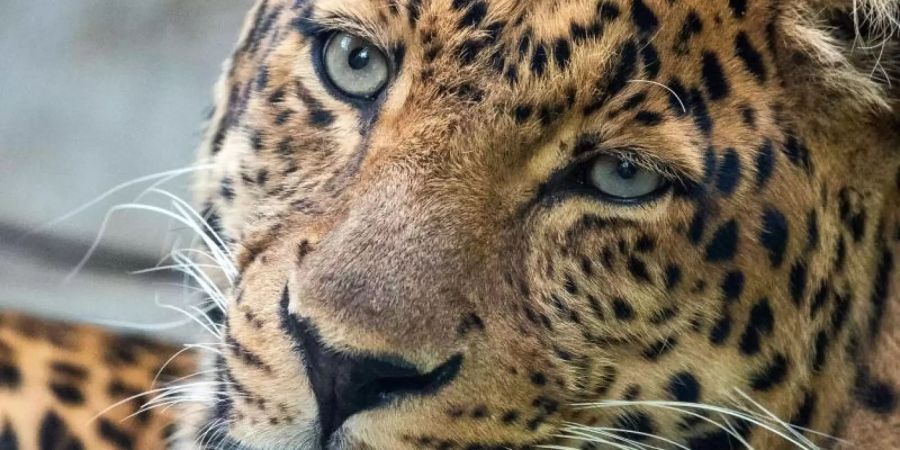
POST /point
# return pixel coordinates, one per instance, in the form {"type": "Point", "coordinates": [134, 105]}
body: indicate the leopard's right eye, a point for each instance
{"type": "Point", "coordinates": [619, 179]}
{"type": "Point", "coordinates": [355, 66]}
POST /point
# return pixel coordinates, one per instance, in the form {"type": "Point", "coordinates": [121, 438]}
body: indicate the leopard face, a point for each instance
{"type": "Point", "coordinates": [470, 224]}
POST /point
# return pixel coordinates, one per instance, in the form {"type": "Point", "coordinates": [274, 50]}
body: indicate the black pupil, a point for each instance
{"type": "Point", "coordinates": [626, 170]}
{"type": "Point", "coordinates": [359, 58]}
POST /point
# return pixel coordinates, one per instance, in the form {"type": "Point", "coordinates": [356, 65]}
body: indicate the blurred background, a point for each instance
{"type": "Point", "coordinates": [93, 94]}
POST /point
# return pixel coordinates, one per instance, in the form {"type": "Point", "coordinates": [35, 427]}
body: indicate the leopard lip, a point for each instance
{"type": "Point", "coordinates": [347, 384]}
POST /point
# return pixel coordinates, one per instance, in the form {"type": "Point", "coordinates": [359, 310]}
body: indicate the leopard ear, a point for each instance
{"type": "Point", "coordinates": [847, 50]}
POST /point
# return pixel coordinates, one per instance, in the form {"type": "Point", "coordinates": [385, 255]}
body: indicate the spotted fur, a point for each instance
{"type": "Point", "coordinates": [417, 272]}
{"type": "Point", "coordinates": [76, 387]}
{"type": "Point", "coordinates": [432, 224]}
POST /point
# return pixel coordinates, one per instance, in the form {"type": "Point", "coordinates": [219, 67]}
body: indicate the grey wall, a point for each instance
{"type": "Point", "coordinates": [94, 93]}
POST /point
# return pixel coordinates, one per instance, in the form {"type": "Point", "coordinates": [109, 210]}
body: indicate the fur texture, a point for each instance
{"type": "Point", "coordinates": [433, 268]}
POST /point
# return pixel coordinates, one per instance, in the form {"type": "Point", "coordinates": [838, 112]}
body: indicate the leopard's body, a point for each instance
{"type": "Point", "coordinates": [77, 387]}
{"type": "Point", "coordinates": [422, 269]}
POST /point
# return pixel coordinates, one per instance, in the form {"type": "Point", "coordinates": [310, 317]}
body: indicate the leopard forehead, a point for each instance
{"type": "Point", "coordinates": [438, 229]}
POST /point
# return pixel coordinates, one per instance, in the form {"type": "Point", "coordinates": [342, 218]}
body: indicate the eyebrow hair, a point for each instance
{"type": "Point", "coordinates": [589, 145]}
{"type": "Point", "coordinates": [332, 21]}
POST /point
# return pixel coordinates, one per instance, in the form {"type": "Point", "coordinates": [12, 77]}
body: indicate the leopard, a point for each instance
{"type": "Point", "coordinates": [588, 224]}
{"type": "Point", "coordinates": [73, 386]}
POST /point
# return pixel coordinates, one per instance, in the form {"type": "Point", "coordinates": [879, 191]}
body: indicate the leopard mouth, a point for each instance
{"type": "Point", "coordinates": [346, 384]}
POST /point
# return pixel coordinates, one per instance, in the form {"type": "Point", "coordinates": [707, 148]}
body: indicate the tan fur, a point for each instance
{"type": "Point", "coordinates": [871, 430]}
{"type": "Point", "coordinates": [423, 227]}
{"type": "Point", "coordinates": [437, 223]}
{"type": "Point", "coordinates": [97, 370]}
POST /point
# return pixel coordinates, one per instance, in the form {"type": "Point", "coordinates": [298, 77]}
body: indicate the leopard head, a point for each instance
{"type": "Point", "coordinates": [472, 224]}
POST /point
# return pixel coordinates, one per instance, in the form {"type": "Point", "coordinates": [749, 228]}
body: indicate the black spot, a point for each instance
{"type": "Point", "coordinates": [644, 244]}
{"type": "Point", "coordinates": [719, 440]}
{"type": "Point", "coordinates": [771, 375]}
{"type": "Point", "coordinates": [638, 270]}
{"type": "Point", "coordinates": [522, 113]}
{"type": "Point", "coordinates": [724, 243]}
{"type": "Point", "coordinates": [698, 226]}
{"type": "Point", "coordinates": [548, 114]}
{"type": "Point", "coordinates": [673, 276]}
{"type": "Point", "coordinates": [632, 393]}
{"type": "Point", "coordinates": [692, 25]}
{"type": "Point", "coordinates": [729, 173]}
{"type": "Point", "coordinates": [538, 378]}
{"type": "Point", "coordinates": [524, 44]}
{"type": "Point", "coordinates": [700, 112]}
{"type": "Point", "coordinates": [738, 8]}
{"type": "Point", "coordinates": [709, 164]}
{"type": "Point", "coordinates": [622, 309]}
{"type": "Point", "coordinates": [774, 235]}
{"type": "Point", "coordinates": [625, 70]}
{"type": "Point", "coordinates": [54, 435]}
{"type": "Point", "coordinates": [113, 434]}
{"type": "Point", "coordinates": [8, 438]}
{"type": "Point", "coordinates": [840, 254]}
{"type": "Point", "coordinates": [797, 153]}
{"type": "Point", "coordinates": [539, 59]}
{"type": "Point", "coordinates": [660, 348]}
{"type": "Point", "coordinates": [510, 417]}
{"type": "Point", "coordinates": [857, 225]}
{"type": "Point", "coordinates": [820, 297]}
{"type": "Point", "coordinates": [751, 57]}
{"type": "Point", "coordinates": [765, 163]}
{"type": "Point", "coordinates": [644, 19]}
{"type": "Point", "coordinates": [812, 230]}
{"type": "Point", "coordinates": [469, 50]}
{"type": "Point", "coordinates": [840, 313]}
{"type": "Point", "coordinates": [874, 395]}
{"type": "Point", "coordinates": [607, 11]}
{"type": "Point", "coordinates": [474, 15]}
{"type": "Point", "coordinates": [664, 315]}
{"type": "Point", "coordinates": [470, 323]}
{"type": "Point", "coordinates": [648, 118]}
{"type": "Point", "coordinates": [684, 387]}
{"type": "Point", "coordinates": [459, 5]}
{"type": "Point", "coordinates": [761, 322]}
{"type": "Point", "coordinates": [414, 10]}
{"type": "Point", "coordinates": [733, 286]}
{"type": "Point", "coordinates": [820, 352]}
{"type": "Point", "coordinates": [714, 77]}
{"type": "Point", "coordinates": [797, 281]}
{"type": "Point", "coordinates": [803, 417]}
{"type": "Point", "coordinates": [880, 290]}
{"type": "Point", "coordinates": [561, 52]}
{"type": "Point", "coordinates": [10, 376]}
{"type": "Point", "coordinates": [67, 393]}
{"type": "Point", "coordinates": [748, 116]}
{"type": "Point", "coordinates": [677, 97]}
{"type": "Point", "coordinates": [721, 330]}
{"type": "Point", "coordinates": [226, 189]}
{"type": "Point", "coordinates": [636, 426]}
{"type": "Point", "coordinates": [650, 58]}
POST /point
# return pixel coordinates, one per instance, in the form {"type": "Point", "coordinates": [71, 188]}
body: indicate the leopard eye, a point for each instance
{"type": "Point", "coordinates": [355, 66]}
{"type": "Point", "coordinates": [623, 180]}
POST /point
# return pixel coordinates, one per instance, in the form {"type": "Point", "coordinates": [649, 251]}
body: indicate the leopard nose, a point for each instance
{"type": "Point", "coordinates": [346, 384]}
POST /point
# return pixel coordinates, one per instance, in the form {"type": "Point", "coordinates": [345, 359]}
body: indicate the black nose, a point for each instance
{"type": "Point", "coordinates": [346, 384]}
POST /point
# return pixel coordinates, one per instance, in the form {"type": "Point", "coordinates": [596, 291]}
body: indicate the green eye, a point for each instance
{"type": "Point", "coordinates": [355, 66]}
{"type": "Point", "coordinates": [622, 179]}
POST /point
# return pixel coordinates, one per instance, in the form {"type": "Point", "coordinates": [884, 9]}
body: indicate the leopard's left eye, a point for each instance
{"type": "Point", "coordinates": [355, 66]}
{"type": "Point", "coordinates": [623, 180]}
